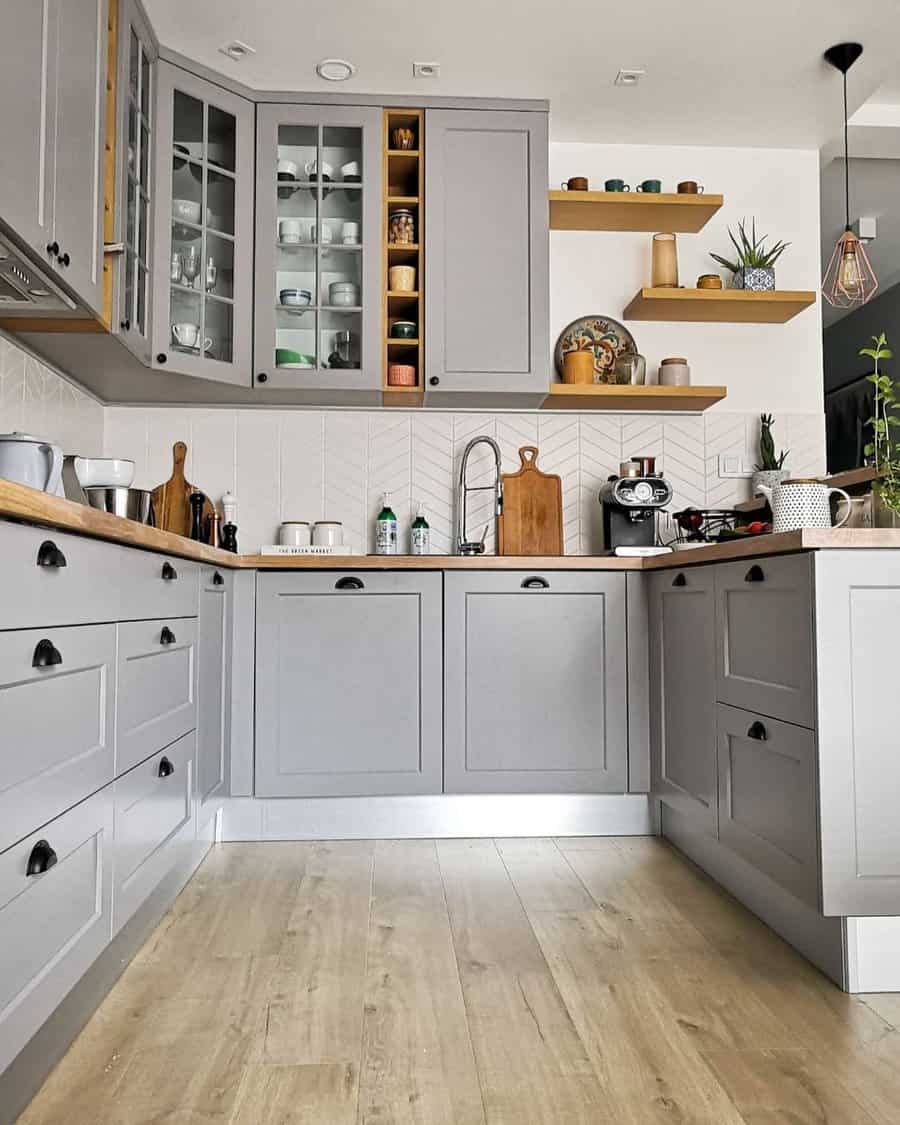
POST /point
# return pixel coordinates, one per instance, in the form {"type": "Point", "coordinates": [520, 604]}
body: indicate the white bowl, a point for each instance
{"type": "Point", "coordinates": [288, 167]}
{"type": "Point", "coordinates": [186, 210]}
{"type": "Point", "coordinates": [104, 472]}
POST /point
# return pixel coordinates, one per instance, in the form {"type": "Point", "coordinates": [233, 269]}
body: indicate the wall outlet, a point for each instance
{"type": "Point", "coordinates": [734, 465]}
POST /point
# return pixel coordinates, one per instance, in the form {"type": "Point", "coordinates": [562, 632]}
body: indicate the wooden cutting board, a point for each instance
{"type": "Point", "coordinates": [171, 503]}
{"type": "Point", "coordinates": [531, 523]}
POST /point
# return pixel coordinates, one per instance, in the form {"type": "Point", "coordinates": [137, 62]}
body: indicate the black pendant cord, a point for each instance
{"type": "Point", "coordinates": [846, 157]}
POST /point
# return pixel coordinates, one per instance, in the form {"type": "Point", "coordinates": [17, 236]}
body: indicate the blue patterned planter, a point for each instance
{"type": "Point", "coordinates": [758, 279]}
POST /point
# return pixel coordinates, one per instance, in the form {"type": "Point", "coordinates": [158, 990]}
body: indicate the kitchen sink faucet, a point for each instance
{"type": "Point", "coordinates": [466, 546]}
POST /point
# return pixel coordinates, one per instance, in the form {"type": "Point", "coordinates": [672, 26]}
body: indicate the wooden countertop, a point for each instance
{"type": "Point", "coordinates": [30, 506]}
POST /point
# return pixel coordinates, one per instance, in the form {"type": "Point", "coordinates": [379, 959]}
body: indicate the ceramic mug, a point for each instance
{"type": "Point", "coordinates": [325, 234]}
{"type": "Point", "coordinates": [290, 231]}
{"type": "Point", "coordinates": [294, 533]}
{"type": "Point", "coordinates": [690, 187]}
{"type": "Point", "coordinates": [575, 183]}
{"type": "Point", "coordinates": [188, 336]}
{"type": "Point", "coordinates": [311, 167]}
{"type": "Point", "coordinates": [351, 169]}
{"type": "Point", "coordinates": [654, 186]}
{"type": "Point", "coordinates": [350, 234]}
{"type": "Point", "coordinates": [616, 185]}
{"type": "Point", "coordinates": [327, 533]}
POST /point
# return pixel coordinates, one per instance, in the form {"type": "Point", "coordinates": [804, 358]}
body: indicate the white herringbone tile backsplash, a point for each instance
{"type": "Point", "coordinates": [310, 465]}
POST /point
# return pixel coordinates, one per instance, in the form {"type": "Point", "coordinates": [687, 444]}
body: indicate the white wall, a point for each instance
{"type": "Point", "coordinates": [769, 367]}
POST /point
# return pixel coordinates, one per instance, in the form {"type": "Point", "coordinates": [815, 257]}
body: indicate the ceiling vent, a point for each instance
{"type": "Point", "coordinates": [237, 50]}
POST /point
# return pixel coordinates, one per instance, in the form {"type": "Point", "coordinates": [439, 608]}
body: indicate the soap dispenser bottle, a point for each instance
{"type": "Point", "coordinates": [386, 528]}
{"type": "Point", "coordinates": [420, 533]}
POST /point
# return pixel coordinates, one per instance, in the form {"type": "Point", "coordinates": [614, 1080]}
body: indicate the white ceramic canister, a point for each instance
{"type": "Point", "coordinates": [328, 533]}
{"type": "Point", "coordinates": [674, 372]}
{"type": "Point", "coordinates": [798, 504]}
{"type": "Point", "coordinates": [294, 533]}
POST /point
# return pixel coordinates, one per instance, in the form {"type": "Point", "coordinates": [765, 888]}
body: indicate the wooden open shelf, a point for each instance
{"type": "Point", "coordinates": [404, 187]}
{"type": "Point", "coordinates": [572, 396]}
{"type": "Point", "coordinates": [723, 306]}
{"type": "Point", "coordinates": [635, 211]}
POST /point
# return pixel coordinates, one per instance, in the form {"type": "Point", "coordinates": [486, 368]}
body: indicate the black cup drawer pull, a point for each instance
{"type": "Point", "coordinates": [169, 573]}
{"type": "Point", "coordinates": [535, 582]}
{"type": "Point", "coordinates": [42, 858]}
{"type": "Point", "coordinates": [758, 732]}
{"type": "Point", "coordinates": [50, 555]}
{"type": "Point", "coordinates": [755, 574]}
{"type": "Point", "coordinates": [679, 580]}
{"type": "Point", "coordinates": [217, 579]}
{"type": "Point", "coordinates": [46, 654]}
{"type": "Point", "coordinates": [166, 769]}
{"type": "Point", "coordinates": [166, 636]}
{"type": "Point", "coordinates": [349, 582]}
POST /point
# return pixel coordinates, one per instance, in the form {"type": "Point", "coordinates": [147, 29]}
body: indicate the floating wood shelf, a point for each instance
{"type": "Point", "coordinates": [635, 211]}
{"type": "Point", "coordinates": [732, 306]}
{"type": "Point", "coordinates": [571, 396]}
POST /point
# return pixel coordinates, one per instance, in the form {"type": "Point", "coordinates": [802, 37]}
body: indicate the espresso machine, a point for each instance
{"type": "Point", "coordinates": [630, 503]}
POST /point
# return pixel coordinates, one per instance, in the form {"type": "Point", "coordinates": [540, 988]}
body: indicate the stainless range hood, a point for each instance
{"type": "Point", "coordinates": [26, 288]}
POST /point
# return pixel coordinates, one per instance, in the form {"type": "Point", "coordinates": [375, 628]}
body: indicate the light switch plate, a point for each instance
{"type": "Point", "coordinates": [733, 465]}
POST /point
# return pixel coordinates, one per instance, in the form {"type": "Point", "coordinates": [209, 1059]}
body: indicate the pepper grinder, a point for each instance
{"type": "Point", "coordinates": [214, 529]}
{"type": "Point", "coordinates": [229, 538]}
{"type": "Point", "coordinates": [197, 500]}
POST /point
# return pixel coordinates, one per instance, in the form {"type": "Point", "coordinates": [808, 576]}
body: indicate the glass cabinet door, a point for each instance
{"type": "Point", "coordinates": [136, 190]}
{"type": "Point", "coordinates": [317, 251]}
{"type": "Point", "coordinates": [203, 230]}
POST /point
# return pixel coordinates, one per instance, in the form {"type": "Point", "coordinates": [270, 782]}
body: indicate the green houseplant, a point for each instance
{"type": "Point", "coordinates": [883, 449]}
{"type": "Point", "coordinates": [755, 265]}
{"type": "Point", "coordinates": [769, 470]}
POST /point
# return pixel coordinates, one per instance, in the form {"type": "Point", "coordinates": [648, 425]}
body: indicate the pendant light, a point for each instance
{"type": "Point", "coordinates": [849, 280]}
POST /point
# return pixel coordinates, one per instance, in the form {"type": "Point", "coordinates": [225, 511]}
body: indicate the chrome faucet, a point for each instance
{"type": "Point", "coordinates": [466, 546]}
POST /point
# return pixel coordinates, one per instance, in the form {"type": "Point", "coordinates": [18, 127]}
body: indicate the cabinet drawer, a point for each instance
{"type": "Point", "coordinates": [158, 586]}
{"type": "Point", "coordinates": [57, 744]}
{"type": "Point", "coordinates": [764, 637]}
{"type": "Point", "coordinates": [156, 686]}
{"type": "Point", "coordinates": [56, 579]}
{"type": "Point", "coordinates": [154, 814]}
{"type": "Point", "coordinates": [767, 798]}
{"type": "Point", "coordinates": [54, 924]}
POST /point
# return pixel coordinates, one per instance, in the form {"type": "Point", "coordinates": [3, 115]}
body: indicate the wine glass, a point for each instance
{"type": "Point", "coordinates": [190, 266]}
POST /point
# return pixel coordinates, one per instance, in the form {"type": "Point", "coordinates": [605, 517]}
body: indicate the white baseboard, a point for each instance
{"type": "Point", "coordinates": [442, 816]}
{"type": "Point", "coordinates": [873, 954]}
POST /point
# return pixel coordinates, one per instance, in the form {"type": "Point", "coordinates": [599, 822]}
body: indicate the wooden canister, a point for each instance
{"type": "Point", "coordinates": [578, 367]}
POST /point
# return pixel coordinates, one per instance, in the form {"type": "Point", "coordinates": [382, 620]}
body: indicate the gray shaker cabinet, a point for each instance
{"type": "Point", "coordinates": [682, 692]}
{"type": "Point", "coordinates": [348, 683]}
{"type": "Point", "coordinates": [535, 697]}
{"type": "Point", "coordinates": [486, 257]}
{"type": "Point", "coordinates": [212, 656]}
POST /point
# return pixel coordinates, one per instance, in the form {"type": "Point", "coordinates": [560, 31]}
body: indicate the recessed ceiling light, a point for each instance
{"type": "Point", "coordinates": [630, 76]}
{"type": "Point", "coordinates": [335, 70]}
{"type": "Point", "coordinates": [426, 70]}
{"type": "Point", "coordinates": [237, 50]}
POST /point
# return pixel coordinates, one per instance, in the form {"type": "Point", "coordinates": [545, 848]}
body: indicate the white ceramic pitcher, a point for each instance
{"type": "Point", "coordinates": [803, 503]}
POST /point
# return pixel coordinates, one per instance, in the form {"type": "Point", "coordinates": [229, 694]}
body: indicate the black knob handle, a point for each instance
{"type": "Point", "coordinates": [41, 859]}
{"type": "Point", "coordinates": [166, 769]}
{"type": "Point", "coordinates": [53, 249]}
{"type": "Point", "coordinates": [50, 555]}
{"type": "Point", "coordinates": [679, 580]}
{"type": "Point", "coordinates": [64, 259]}
{"type": "Point", "coordinates": [755, 574]}
{"type": "Point", "coordinates": [218, 580]}
{"type": "Point", "coordinates": [535, 583]}
{"type": "Point", "coordinates": [125, 325]}
{"type": "Point", "coordinates": [349, 583]}
{"type": "Point", "coordinates": [169, 573]}
{"type": "Point", "coordinates": [46, 655]}
{"type": "Point", "coordinates": [166, 636]}
{"type": "Point", "coordinates": [161, 357]}
{"type": "Point", "coordinates": [262, 377]}
{"type": "Point", "coordinates": [434, 380]}
{"type": "Point", "coordinates": [758, 732]}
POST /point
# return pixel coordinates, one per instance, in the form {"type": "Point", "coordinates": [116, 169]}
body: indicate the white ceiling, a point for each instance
{"type": "Point", "coordinates": [717, 73]}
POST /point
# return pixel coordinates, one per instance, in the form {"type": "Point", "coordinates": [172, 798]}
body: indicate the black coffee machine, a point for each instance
{"type": "Point", "coordinates": [630, 504]}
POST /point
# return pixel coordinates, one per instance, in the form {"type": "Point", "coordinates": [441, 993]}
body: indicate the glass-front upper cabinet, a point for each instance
{"type": "Point", "coordinates": [203, 238]}
{"type": "Point", "coordinates": [318, 252]}
{"type": "Point", "coordinates": [134, 190]}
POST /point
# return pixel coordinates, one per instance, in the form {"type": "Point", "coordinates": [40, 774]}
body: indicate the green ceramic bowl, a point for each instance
{"type": "Point", "coordinates": [287, 357]}
{"type": "Point", "coordinates": [403, 330]}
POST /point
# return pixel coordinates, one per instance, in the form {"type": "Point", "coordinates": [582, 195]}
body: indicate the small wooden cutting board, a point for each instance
{"type": "Point", "coordinates": [171, 503]}
{"type": "Point", "coordinates": [531, 522]}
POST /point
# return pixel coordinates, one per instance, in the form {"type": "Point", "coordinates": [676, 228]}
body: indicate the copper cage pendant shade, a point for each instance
{"type": "Point", "coordinates": [849, 279]}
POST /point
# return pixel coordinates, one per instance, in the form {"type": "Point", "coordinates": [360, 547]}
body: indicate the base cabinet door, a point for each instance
{"type": "Point", "coordinates": [212, 650]}
{"type": "Point", "coordinates": [683, 693]}
{"type": "Point", "coordinates": [535, 682]}
{"type": "Point", "coordinates": [55, 893]}
{"type": "Point", "coordinates": [348, 684]}
{"type": "Point", "coordinates": [768, 798]}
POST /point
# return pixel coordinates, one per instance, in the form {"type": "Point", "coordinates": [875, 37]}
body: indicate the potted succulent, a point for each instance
{"type": "Point", "coordinates": [883, 449]}
{"type": "Point", "coordinates": [769, 470]}
{"type": "Point", "coordinates": [755, 265]}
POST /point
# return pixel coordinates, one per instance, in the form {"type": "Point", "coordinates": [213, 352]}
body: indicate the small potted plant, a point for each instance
{"type": "Point", "coordinates": [769, 470]}
{"type": "Point", "coordinates": [884, 451]}
{"type": "Point", "coordinates": [755, 265]}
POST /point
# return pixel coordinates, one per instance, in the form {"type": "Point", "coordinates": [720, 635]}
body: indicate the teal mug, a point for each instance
{"type": "Point", "coordinates": [654, 186]}
{"type": "Point", "coordinates": [616, 185]}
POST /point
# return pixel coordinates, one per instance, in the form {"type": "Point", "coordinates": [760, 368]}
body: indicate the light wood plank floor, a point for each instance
{"type": "Point", "coordinates": [472, 982]}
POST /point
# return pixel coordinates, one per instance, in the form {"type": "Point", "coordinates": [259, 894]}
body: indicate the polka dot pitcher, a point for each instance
{"type": "Point", "coordinates": [803, 503]}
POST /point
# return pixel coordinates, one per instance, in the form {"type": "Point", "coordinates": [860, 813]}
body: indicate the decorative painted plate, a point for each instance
{"type": "Point", "coordinates": [602, 335]}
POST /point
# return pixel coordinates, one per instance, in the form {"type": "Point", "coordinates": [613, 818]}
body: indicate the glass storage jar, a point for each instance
{"type": "Point", "coordinates": [402, 227]}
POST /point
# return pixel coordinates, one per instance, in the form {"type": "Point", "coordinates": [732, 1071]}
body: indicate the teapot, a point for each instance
{"type": "Point", "coordinates": [33, 461]}
{"type": "Point", "coordinates": [803, 503]}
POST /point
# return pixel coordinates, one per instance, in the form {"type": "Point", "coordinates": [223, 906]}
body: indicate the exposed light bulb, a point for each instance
{"type": "Point", "coordinates": [849, 279]}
